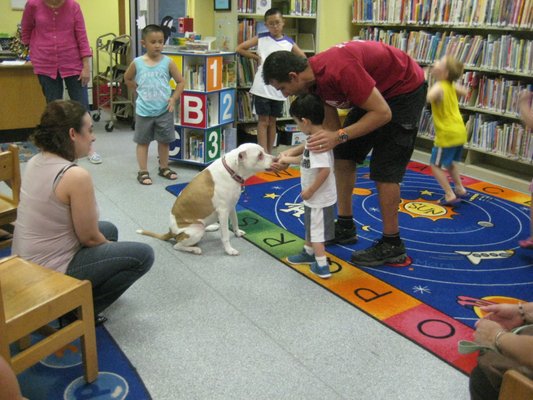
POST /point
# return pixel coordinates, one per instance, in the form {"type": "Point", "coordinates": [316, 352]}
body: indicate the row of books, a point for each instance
{"type": "Point", "coordinates": [229, 73]}
{"type": "Point", "coordinates": [510, 140]}
{"type": "Point", "coordinates": [303, 7]}
{"type": "Point", "coordinates": [496, 13]}
{"type": "Point", "coordinates": [296, 7]}
{"type": "Point", "coordinates": [246, 68]}
{"type": "Point", "coordinates": [246, 6]}
{"type": "Point", "coordinates": [247, 29]}
{"type": "Point", "coordinates": [497, 52]}
{"type": "Point", "coordinates": [498, 94]}
{"type": "Point", "coordinates": [245, 111]}
{"type": "Point", "coordinates": [194, 150]}
{"type": "Point", "coordinates": [194, 76]}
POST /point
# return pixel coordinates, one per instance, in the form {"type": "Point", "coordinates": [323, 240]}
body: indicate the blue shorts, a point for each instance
{"type": "Point", "coordinates": [444, 157]}
{"type": "Point", "coordinates": [264, 106]}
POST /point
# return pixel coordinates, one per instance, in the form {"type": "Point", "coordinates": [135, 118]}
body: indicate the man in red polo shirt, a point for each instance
{"type": "Point", "coordinates": [386, 92]}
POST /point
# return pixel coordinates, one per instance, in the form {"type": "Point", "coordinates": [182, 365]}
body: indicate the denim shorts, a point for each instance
{"type": "Point", "coordinates": [264, 106]}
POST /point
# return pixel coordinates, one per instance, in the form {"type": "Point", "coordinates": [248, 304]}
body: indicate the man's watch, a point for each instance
{"type": "Point", "coordinates": [342, 136]}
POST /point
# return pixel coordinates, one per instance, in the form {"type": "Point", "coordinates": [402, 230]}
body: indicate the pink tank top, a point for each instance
{"type": "Point", "coordinates": [44, 232]}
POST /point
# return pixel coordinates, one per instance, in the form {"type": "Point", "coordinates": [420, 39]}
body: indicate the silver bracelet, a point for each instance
{"type": "Point", "coordinates": [497, 340]}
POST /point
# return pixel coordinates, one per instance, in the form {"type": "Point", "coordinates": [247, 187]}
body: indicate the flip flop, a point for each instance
{"type": "Point", "coordinates": [450, 203]}
{"type": "Point", "coordinates": [462, 196]}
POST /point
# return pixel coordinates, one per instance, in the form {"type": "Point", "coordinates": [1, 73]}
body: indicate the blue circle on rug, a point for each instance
{"type": "Point", "coordinates": [107, 386]}
{"type": "Point", "coordinates": [67, 357]}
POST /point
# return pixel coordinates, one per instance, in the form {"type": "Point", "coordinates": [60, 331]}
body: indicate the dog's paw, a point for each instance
{"type": "Point", "coordinates": [240, 233]}
{"type": "Point", "coordinates": [232, 252]}
{"type": "Point", "coordinates": [212, 227]}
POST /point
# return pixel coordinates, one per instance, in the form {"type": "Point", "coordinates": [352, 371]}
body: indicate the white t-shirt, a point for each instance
{"type": "Point", "coordinates": [326, 195]}
{"type": "Point", "coordinates": [267, 45]}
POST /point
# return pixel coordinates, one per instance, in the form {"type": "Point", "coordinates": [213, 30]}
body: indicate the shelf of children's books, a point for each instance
{"type": "Point", "coordinates": [436, 26]}
{"type": "Point", "coordinates": [286, 16]}
{"type": "Point", "coordinates": [499, 114]}
{"type": "Point", "coordinates": [509, 157]}
{"type": "Point", "coordinates": [484, 70]}
{"type": "Point", "coordinates": [254, 121]}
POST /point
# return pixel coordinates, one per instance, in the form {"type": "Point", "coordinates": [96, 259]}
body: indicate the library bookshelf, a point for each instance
{"type": "Point", "coordinates": [204, 120]}
{"type": "Point", "coordinates": [300, 24]}
{"type": "Point", "coordinates": [494, 40]}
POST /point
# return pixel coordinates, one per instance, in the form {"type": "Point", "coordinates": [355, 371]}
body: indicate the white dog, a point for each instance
{"type": "Point", "coordinates": [211, 197]}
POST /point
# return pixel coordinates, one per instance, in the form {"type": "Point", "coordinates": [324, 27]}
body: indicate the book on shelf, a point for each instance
{"type": "Point", "coordinates": [229, 73]}
{"type": "Point", "coordinates": [474, 13]}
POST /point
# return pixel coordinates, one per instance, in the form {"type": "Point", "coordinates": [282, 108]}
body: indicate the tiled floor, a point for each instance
{"type": "Point", "coordinates": [246, 327]}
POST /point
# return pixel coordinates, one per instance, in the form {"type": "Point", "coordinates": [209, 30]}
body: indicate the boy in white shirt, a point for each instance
{"type": "Point", "coordinates": [268, 102]}
{"type": "Point", "coordinates": [319, 193]}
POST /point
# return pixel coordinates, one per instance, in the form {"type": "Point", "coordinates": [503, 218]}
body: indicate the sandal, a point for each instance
{"type": "Point", "coordinates": [167, 173]}
{"type": "Point", "coordinates": [143, 177]}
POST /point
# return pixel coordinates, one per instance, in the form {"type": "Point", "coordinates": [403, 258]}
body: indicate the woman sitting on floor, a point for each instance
{"type": "Point", "coordinates": [513, 349]}
{"type": "Point", "coordinates": [57, 219]}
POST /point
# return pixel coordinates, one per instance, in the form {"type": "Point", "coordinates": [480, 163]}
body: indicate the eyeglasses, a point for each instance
{"type": "Point", "coordinates": [274, 24]}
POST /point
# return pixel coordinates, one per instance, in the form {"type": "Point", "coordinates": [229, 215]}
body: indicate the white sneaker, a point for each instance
{"type": "Point", "coordinates": [95, 158]}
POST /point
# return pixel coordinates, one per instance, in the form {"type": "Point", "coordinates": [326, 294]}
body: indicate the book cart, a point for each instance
{"type": "Point", "coordinates": [494, 40]}
{"type": "Point", "coordinates": [112, 57]}
{"type": "Point", "coordinates": [205, 116]}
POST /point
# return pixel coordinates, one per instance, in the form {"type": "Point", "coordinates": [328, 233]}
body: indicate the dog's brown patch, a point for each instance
{"type": "Point", "coordinates": [195, 202]}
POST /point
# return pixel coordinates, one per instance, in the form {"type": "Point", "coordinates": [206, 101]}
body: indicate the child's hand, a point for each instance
{"type": "Point", "coordinates": [171, 105]}
{"type": "Point", "coordinates": [283, 159]}
{"type": "Point", "coordinates": [306, 194]}
{"type": "Point", "coordinates": [277, 165]}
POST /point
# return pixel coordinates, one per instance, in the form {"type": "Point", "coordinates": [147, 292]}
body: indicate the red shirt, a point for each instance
{"type": "Point", "coordinates": [346, 73]}
{"type": "Point", "coordinates": [57, 38]}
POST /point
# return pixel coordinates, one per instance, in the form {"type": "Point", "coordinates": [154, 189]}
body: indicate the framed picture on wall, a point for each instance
{"type": "Point", "coordinates": [222, 5]}
{"type": "Point", "coordinates": [18, 4]}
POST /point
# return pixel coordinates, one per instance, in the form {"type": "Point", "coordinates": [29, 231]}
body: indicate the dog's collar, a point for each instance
{"type": "Point", "coordinates": [233, 174]}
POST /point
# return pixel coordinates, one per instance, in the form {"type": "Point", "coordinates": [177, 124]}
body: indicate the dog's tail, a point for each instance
{"type": "Point", "coordinates": [162, 236]}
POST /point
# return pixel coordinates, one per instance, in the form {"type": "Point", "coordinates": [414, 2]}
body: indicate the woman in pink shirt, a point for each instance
{"type": "Point", "coordinates": [59, 49]}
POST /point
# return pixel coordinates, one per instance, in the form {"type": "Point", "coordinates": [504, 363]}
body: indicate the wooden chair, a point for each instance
{"type": "Point", "coordinates": [31, 296]}
{"type": "Point", "coordinates": [516, 386]}
{"type": "Point", "coordinates": [9, 173]}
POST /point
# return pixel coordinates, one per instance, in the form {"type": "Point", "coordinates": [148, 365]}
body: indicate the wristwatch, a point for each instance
{"type": "Point", "coordinates": [342, 136]}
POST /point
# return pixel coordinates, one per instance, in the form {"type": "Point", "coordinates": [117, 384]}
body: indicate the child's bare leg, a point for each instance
{"type": "Point", "coordinates": [319, 249]}
{"type": "Point", "coordinates": [456, 177]}
{"type": "Point", "coordinates": [441, 177]}
{"type": "Point", "coordinates": [142, 156]}
{"type": "Point", "coordinates": [271, 133]}
{"type": "Point", "coordinates": [262, 131]}
{"type": "Point", "coordinates": [162, 151]}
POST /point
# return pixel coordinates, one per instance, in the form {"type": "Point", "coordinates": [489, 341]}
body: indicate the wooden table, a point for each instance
{"type": "Point", "coordinates": [21, 99]}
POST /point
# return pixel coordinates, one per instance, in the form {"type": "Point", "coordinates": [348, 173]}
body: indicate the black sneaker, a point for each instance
{"type": "Point", "coordinates": [343, 235]}
{"type": "Point", "coordinates": [379, 254]}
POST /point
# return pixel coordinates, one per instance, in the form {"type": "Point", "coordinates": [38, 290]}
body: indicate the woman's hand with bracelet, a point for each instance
{"type": "Point", "coordinates": [486, 333]}
{"type": "Point", "coordinates": [507, 315]}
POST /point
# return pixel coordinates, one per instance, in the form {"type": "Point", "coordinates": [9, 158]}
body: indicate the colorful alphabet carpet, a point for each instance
{"type": "Point", "coordinates": [460, 257]}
